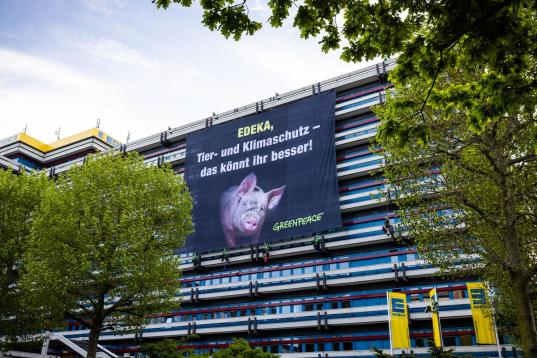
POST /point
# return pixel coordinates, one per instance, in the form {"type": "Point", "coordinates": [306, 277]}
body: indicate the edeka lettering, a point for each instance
{"type": "Point", "coordinates": [254, 129]}
{"type": "Point", "coordinates": [297, 222]}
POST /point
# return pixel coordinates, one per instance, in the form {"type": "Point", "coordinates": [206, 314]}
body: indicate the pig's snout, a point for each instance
{"type": "Point", "coordinates": [251, 224]}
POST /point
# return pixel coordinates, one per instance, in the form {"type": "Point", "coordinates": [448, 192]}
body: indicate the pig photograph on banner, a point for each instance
{"type": "Point", "coordinates": [264, 178]}
{"type": "Point", "coordinates": [243, 210]}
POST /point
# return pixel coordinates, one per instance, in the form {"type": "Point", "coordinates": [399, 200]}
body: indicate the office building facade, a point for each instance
{"type": "Point", "coordinates": [306, 299]}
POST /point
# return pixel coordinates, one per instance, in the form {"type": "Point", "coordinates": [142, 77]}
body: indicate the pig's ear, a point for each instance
{"type": "Point", "coordinates": [247, 184]}
{"type": "Point", "coordinates": [274, 197]}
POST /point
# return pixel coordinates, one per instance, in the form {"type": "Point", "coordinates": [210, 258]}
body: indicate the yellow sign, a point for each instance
{"type": "Point", "coordinates": [398, 311]}
{"type": "Point", "coordinates": [435, 310]}
{"type": "Point", "coordinates": [483, 323]}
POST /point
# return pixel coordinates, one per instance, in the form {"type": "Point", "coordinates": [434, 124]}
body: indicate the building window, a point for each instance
{"type": "Point", "coordinates": [336, 347]}
{"type": "Point", "coordinates": [466, 340]}
{"type": "Point", "coordinates": [443, 295]}
{"type": "Point", "coordinates": [334, 305]}
{"type": "Point", "coordinates": [458, 294]}
{"type": "Point", "coordinates": [449, 341]}
{"type": "Point", "coordinates": [420, 342]}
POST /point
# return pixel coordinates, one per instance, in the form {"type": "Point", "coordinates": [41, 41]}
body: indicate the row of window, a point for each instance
{"type": "Point", "coordinates": [283, 272]}
{"type": "Point", "coordinates": [292, 280]}
{"type": "Point", "coordinates": [462, 340]}
{"type": "Point", "coordinates": [320, 344]}
{"type": "Point", "coordinates": [285, 308]}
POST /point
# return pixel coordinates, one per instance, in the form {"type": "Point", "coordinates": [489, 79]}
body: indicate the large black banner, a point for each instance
{"type": "Point", "coordinates": [264, 178]}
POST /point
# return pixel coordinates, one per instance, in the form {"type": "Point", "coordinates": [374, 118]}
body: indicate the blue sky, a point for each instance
{"type": "Point", "coordinates": [65, 63]}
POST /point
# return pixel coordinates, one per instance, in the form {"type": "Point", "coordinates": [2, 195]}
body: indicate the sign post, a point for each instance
{"type": "Point", "coordinates": [398, 321]}
{"type": "Point", "coordinates": [483, 322]}
{"type": "Point", "coordinates": [389, 320]}
{"type": "Point", "coordinates": [435, 313]}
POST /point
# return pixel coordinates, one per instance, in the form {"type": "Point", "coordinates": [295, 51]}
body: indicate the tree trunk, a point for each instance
{"type": "Point", "coordinates": [95, 332]}
{"type": "Point", "coordinates": [526, 321]}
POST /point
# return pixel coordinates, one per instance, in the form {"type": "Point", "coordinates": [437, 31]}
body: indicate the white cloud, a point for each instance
{"type": "Point", "coordinates": [107, 7]}
{"type": "Point", "coordinates": [261, 8]}
{"type": "Point", "coordinates": [143, 81]}
{"type": "Point", "coordinates": [47, 94]}
{"type": "Point", "coordinates": [111, 50]}
{"type": "Point", "coordinates": [33, 69]}
{"type": "Point", "coordinates": [104, 49]}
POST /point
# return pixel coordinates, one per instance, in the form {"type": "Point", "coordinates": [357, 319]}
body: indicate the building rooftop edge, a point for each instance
{"type": "Point", "coordinates": [48, 147]}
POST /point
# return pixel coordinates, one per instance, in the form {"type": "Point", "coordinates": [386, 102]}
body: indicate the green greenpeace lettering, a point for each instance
{"type": "Point", "coordinates": [280, 225]}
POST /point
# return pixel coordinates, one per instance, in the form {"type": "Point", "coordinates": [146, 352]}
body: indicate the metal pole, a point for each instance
{"type": "Point", "coordinates": [439, 320]}
{"type": "Point", "coordinates": [389, 321]}
{"type": "Point", "coordinates": [499, 347]}
{"type": "Point", "coordinates": [497, 339]}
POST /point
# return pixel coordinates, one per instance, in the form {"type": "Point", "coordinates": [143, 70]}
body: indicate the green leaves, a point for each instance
{"type": "Point", "coordinates": [228, 18]}
{"type": "Point", "coordinates": [460, 169]}
{"type": "Point", "coordinates": [102, 243]}
{"type": "Point", "coordinates": [20, 196]}
{"type": "Point", "coordinates": [429, 38]}
{"type": "Point", "coordinates": [241, 348]}
{"type": "Point", "coordinates": [280, 11]}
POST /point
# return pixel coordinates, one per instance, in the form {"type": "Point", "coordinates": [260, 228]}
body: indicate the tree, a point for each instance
{"type": "Point", "coordinates": [102, 241]}
{"type": "Point", "coordinates": [169, 348]}
{"type": "Point", "coordinates": [240, 348]}
{"type": "Point", "coordinates": [439, 352]}
{"type": "Point", "coordinates": [429, 38]}
{"type": "Point", "coordinates": [20, 196]}
{"type": "Point", "coordinates": [468, 197]}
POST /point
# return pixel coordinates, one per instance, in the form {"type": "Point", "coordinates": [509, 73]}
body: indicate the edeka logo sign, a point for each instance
{"type": "Point", "coordinates": [483, 323]}
{"type": "Point", "coordinates": [263, 178]}
{"type": "Point", "coordinates": [399, 332]}
{"type": "Point", "coordinates": [398, 307]}
{"type": "Point", "coordinates": [479, 298]}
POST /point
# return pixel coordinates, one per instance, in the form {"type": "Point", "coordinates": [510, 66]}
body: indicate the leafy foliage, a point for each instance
{"type": "Point", "coordinates": [102, 241]}
{"type": "Point", "coordinates": [379, 353]}
{"type": "Point", "coordinates": [240, 348]}
{"type": "Point", "coordinates": [20, 196]}
{"type": "Point", "coordinates": [169, 348]}
{"type": "Point", "coordinates": [429, 37]}
{"type": "Point", "coordinates": [468, 197]}
{"type": "Point", "coordinates": [439, 352]}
